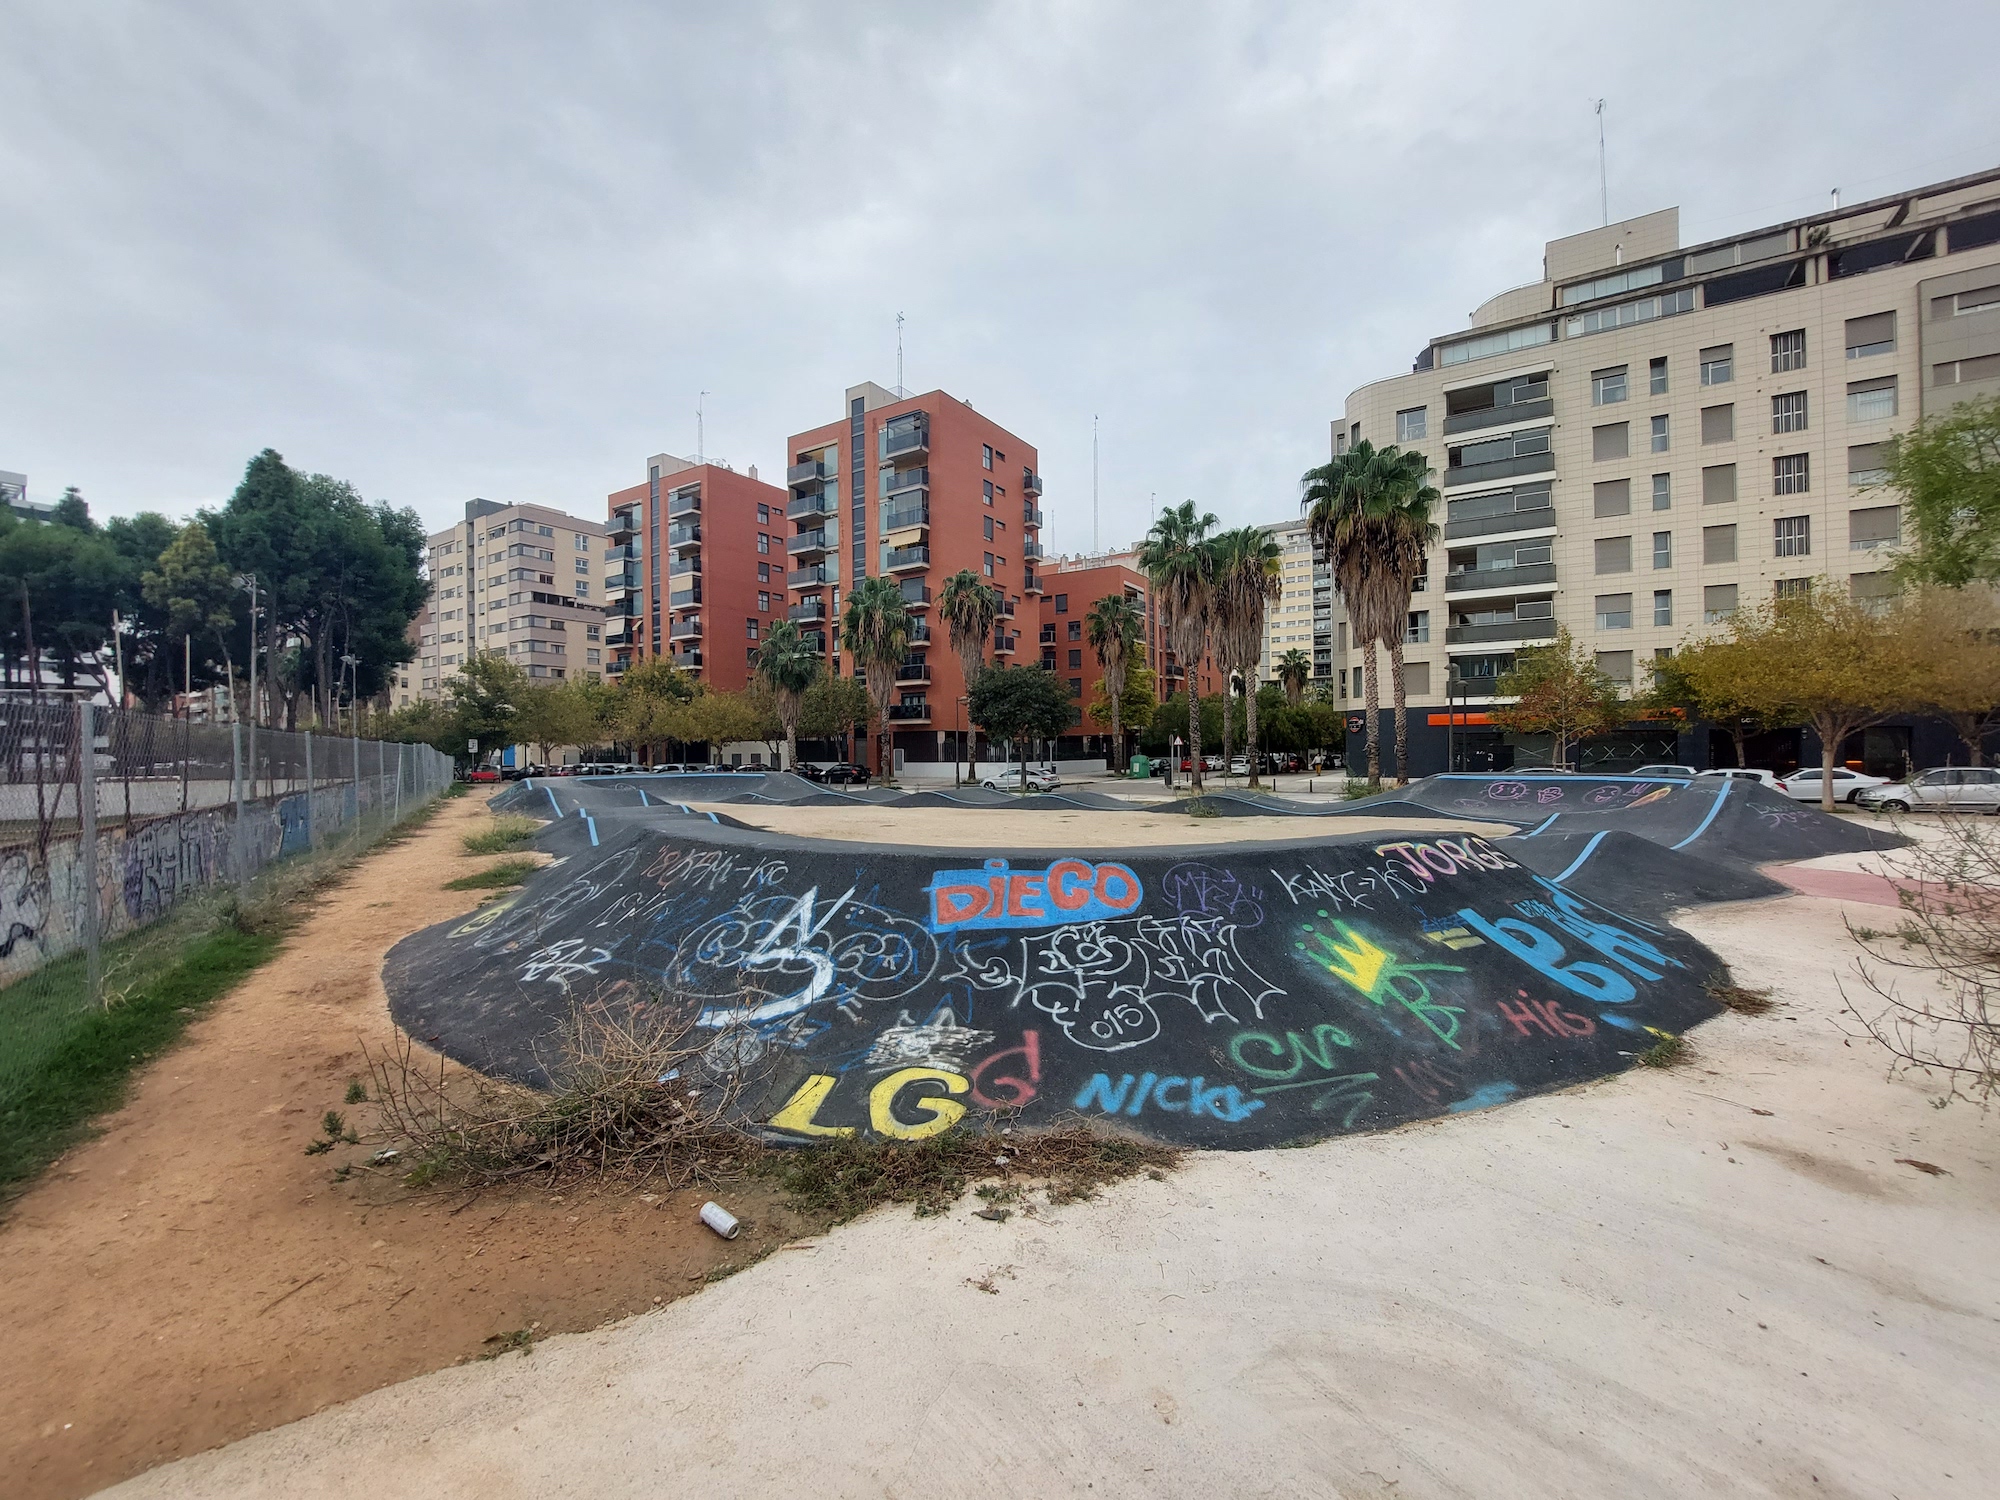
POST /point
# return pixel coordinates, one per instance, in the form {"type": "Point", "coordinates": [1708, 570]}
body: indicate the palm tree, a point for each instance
{"type": "Point", "coordinates": [1370, 512]}
{"type": "Point", "coordinates": [969, 605]}
{"type": "Point", "coordinates": [1114, 628]}
{"type": "Point", "coordinates": [1246, 581]}
{"type": "Point", "coordinates": [1177, 558]}
{"type": "Point", "coordinates": [788, 666]}
{"type": "Point", "coordinates": [875, 631]}
{"type": "Point", "coordinates": [1294, 671]}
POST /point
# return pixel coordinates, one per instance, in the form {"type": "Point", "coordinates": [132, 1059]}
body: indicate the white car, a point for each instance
{"type": "Point", "coordinates": [1948, 789]}
{"type": "Point", "coordinates": [1740, 773]}
{"type": "Point", "coordinates": [1009, 780]}
{"type": "Point", "coordinates": [1803, 786]}
{"type": "Point", "coordinates": [1664, 770]}
{"type": "Point", "coordinates": [1240, 766]}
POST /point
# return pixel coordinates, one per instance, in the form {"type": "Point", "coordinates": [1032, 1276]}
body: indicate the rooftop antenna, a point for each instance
{"type": "Point", "coordinates": [1093, 482]}
{"type": "Point", "coordinates": [899, 355]}
{"type": "Point", "coordinates": [1603, 177]}
{"type": "Point", "coordinates": [700, 425]}
{"type": "Point", "coordinates": [1836, 200]}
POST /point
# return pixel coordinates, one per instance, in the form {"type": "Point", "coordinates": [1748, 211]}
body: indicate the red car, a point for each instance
{"type": "Point", "coordinates": [484, 773]}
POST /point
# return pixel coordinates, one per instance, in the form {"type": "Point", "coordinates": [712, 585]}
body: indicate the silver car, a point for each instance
{"type": "Point", "coordinates": [1948, 789]}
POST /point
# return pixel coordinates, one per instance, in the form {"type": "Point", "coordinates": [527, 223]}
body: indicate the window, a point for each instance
{"type": "Point", "coordinates": [1966, 371]}
{"type": "Point", "coordinates": [1718, 364]}
{"type": "Point", "coordinates": [1979, 299]}
{"type": "Point", "coordinates": [1625, 314]}
{"type": "Point", "coordinates": [1874, 334]}
{"type": "Point", "coordinates": [1492, 343]}
{"type": "Point", "coordinates": [1656, 376]}
{"type": "Point", "coordinates": [1877, 526]}
{"type": "Point", "coordinates": [1718, 544]}
{"type": "Point", "coordinates": [1062, 604]}
{"type": "Point", "coordinates": [989, 564]}
{"type": "Point", "coordinates": [1867, 464]}
{"type": "Point", "coordinates": [1792, 536]}
{"type": "Point", "coordinates": [1791, 474]}
{"type": "Point", "coordinates": [582, 541]}
{"type": "Point", "coordinates": [1410, 425]}
{"type": "Point", "coordinates": [1788, 412]}
{"type": "Point", "coordinates": [1614, 611]}
{"type": "Point", "coordinates": [988, 494]}
{"type": "Point", "coordinates": [583, 565]}
{"type": "Point", "coordinates": [1417, 679]}
{"type": "Point", "coordinates": [1788, 351]}
{"type": "Point", "coordinates": [988, 523]}
{"type": "Point", "coordinates": [986, 455]}
{"type": "Point", "coordinates": [1343, 681]}
{"type": "Point", "coordinates": [1076, 630]}
{"type": "Point", "coordinates": [1718, 424]}
{"type": "Point", "coordinates": [1500, 449]}
{"type": "Point", "coordinates": [763, 515]}
{"type": "Point", "coordinates": [1611, 286]}
{"type": "Point", "coordinates": [750, 629]}
{"type": "Point", "coordinates": [1663, 549]}
{"type": "Point", "coordinates": [763, 541]}
{"type": "Point", "coordinates": [1076, 687]}
{"type": "Point", "coordinates": [1611, 441]}
{"type": "Point", "coordinates": [1663, 606]}
{"type": "Point", "coordinates": [763, 572]}
{"type": "Point", "coordinates": [1868, 588]}
{"type": "Point", "coordinates": [1075, 660]}
{"type": "Point", "coordinates": [1718, 602]}
{"type": "Point", "coordinates": [1617, 665]}
{"type": "Point", "coordinates": [1793, 588]}
{"type": "Point", "coordinates": [1611, 498]}
{"type": "Point", "coordinates": [1607, 387]}
{"type": "Point", "coordinates": [582, 589]}
{"type": "Point", "coordinates": [1614, 554]}
{"type": "Point", "coordinates": [1871, 400]}
{"type": "Point", "coordinates": [1718, 484]}
{"type": "Point", "coordinates": [1663, 492]}
{"type": "Point", "coordinates": [1417, 629]}
{"type": "Point", "coordinates": [764, 603]}
{"type": "Point", "coordinates": [1661, 436]}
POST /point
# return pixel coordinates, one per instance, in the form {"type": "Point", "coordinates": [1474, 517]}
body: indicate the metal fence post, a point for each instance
{"type": "Point", "coordinates": [86, 808]}
{"type": "Point", "coordinates": [312, 823]}
{"type": "Point", "coordinates": [238, 837]}
{"type": "Point", "coordinates": [399, 783]}
{"type": "Point", "coordinates": [354, 743]}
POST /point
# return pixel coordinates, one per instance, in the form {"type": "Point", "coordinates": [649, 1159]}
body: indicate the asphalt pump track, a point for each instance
{"type": "Point", "coordinates": [1240, 996]}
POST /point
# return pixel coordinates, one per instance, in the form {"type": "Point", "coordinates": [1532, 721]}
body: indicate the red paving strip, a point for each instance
{"type": "Point", "coordinates": [1843, 885]}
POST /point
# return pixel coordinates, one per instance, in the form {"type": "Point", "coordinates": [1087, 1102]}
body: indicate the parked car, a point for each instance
{"type": "Point", "coordinates": [1947, 789]}
{"type": "Point", "coordinates": [840, 773]}
{"type": "Point", "coordinates": [484, 773]}
{"type": "Point", "coordinates": [1740, 773]}
{"type": "Point", "coordinates": [1240, 766]}
{"type": "Point", "coordinates": [1009, 780]}
{"type": "Point", "coordinates": [514, 773]}
{"type": "Point", "coordinates": [1847, 785]}
{"type": "Point", "coordinates": [1666, 770]}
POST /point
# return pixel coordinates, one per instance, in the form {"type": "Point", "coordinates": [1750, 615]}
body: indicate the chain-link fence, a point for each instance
{"type": "Point", "coordinates": [111, 820]}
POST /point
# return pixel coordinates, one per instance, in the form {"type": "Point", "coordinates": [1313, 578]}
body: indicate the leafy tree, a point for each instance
{"type": "Point", "coordinates": [59, 579]}
{"type": "Point", "coordinates": [1561, 692]}
{"type": "Point", "coordinates": [552, 714]}
{"type": "Point", "coordinates": [1672, 693]}
{"type": "Point", "coordinates": [875, 631]}
{"type": "Point", "coordinates": [1246, 583]}
{"type": "Point", "coordinates": [788, 667]}
{"type": "Point", "coordinates": [1177, 558]}
{"type": "Point", "coordinates": [1371, 514]}
{"type": "Point", "coordinates": [1821, 659]}
{"type": "Point", "coordinates": [1946, 473]}
{"type": "Point", "coordinates": [1960, 674]}
{"type": "Point", "coordinates": [192, 588]}
{"type": "Point", "coordinates": [969, 605]}
{"type": "Point", "coordinates": [487, 698]}
{"type": "Point", "coordinates": [1115, 629]}
{"type": "Point", "coordinates": [832, 707]}
{"type": "Point", "coordinates": [1170, 718]}
{"type": "Point", "coordinates": [1020, 704]}
{"type": "Point", "coordinates": [716, 719]}
{"type": "Point", "coordinates": [1294, 672]}
{"type": "Point", "coordinates": [146, 653]}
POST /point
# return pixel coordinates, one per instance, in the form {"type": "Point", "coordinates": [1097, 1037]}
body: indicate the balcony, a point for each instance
{"type": "Point", "coordinates": [905, 517]}
{"type": "Point", "coordinates": [910, 713]}
{"type": "Point", "coordinates": [815, 641]}
{"type": "Point", "coordinates": [685, 630]}
{"type": "Point", "coordinates": [1032, 552]}
{"type": "Point", "coordinates": [1031, 583]}
{"type": "Point", "coordinates": [1511, 630]}
{"type": "Point", "coordinates": [810, 609]}
{"type": "Point", "coordinates": [916, 595]}
{"type": "Point", "coordinates": [683, 598]}
{"type": "Point", "coordinates": [619, 667]}
{"type": "Point", "coordinates": [898, 480]}
{"type": "Point", "coordinates": [1500, 578]}
{"type": "Point", "coordinates": [1534, 519]}
{"type": "Point", "coordinates": [684, 504]}
{"type": "Point", "coordinates": [684, 535]}
{"type": "Point", "coordinates": [1030, 516]}
{"type": "Point", "coordinates": [805, 578]}
{"type": "Point", "coordinates": [1497, 416]}
{"type": "Point", "coordinates": [810, 472]}
{"type": "Point", "coordinates": [621, 634]}
{"type": "Point", "coordinates": [687, 661]}
{"type": "Point", "coordinates": [898, 559]}
{"type": "Point", "coordinates": [814, 543]}
{"type": "Point", "coordinates": [627, 579]}
{"type": "Point", "coordinates": [1005, 645]}
{"type": "Point", "coordinates": [1048, 635]}
{"type": "Point", "coordinates": [1007, 609]}
{"type": "Point", "coordinates": [1499, 468]}
{"type": "Point", "coordinates": [819, 503]}
{"type": "Point", "coordinates": [625, 605]}
{"type": "Point", "coordinates": [1031, 484]}
{"type": "Point", "coordinates": [682, 567]}
{"type": "Point", "coordinates": [920, 633]}
{"type": "Point", "coordinates": [624, 525]}
{"type": "Point", "coordinates": [906, 435]}
{"type": "Point", "coordinates": [913, 671]}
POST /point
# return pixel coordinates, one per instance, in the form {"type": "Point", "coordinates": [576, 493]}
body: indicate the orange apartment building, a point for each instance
{"type": "Point", "coordinates": [695, 569]}
{"type": "Point", "coordinates": [915, 488]}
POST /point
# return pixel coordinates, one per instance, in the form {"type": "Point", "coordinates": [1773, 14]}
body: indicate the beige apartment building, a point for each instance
{"type": "Point", "coordinates": [1654, 434]}
{"type": "Point", "coordinates": [1303, 617]}
{"type": "Point", "coordinates": [522, 580]}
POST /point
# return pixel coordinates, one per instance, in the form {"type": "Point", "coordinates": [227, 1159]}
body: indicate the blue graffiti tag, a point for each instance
{"type": "Point", "coordinates": [1223, 1102]}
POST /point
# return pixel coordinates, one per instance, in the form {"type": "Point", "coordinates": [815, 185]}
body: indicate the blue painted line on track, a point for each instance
{"type": "Point", "coordinates": [1588, 850]}
{"type": "Point", "coordinates": [1702, 827]}
{"type": "Point", "coordinates": [644, 800]}
{"type": "Point", "coordinates": [552, 800]}
{"type": "Point", "coordinates": [1560, 776]}
{"type": "Point", "coordinates": [591, 824]}
{"type": "Point", "coordinates": [1541, 825]}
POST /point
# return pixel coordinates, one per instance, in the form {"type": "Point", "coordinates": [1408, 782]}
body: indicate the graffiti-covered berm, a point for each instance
{"type": "Point", "coordinates": [1228, 999]}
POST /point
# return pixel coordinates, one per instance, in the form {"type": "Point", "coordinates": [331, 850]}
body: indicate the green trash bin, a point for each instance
{"type": "Point", "coordinates": [1142, 767]}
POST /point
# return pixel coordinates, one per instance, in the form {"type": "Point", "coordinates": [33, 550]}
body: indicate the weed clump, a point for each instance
{"type": "Point", "coordinates": [509, 872]}
{"type": "Point", "coordinates": [1667, 1052]}
{"type": "Point", "coordinates": [1745, 1002]}
{"type": "Point", "coordinates": [505, 836]}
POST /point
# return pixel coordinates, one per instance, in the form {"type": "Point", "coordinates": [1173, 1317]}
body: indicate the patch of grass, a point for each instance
{"type": "Point", "coordinates": [844, 1178]}
{"type": "Point", "coordinates": [1356, 790]}
{"type": "Point", "coordinates": [1202, 807]}
{"type": "Point", "coordinates": [86, 1073]}
{"type": "Point", "coordinates": [1743, 1001]}
{"type": "Point", "coordinates": [521, 1339]}
{"type": "Point", "coordinates": [1667, 1052]}
{"type": "Point", "coordinates": [357, 1092]}
{"type": "Point", "coordinates": [505, 836]}
{"type": "Point", "coordinates": [508, 872]}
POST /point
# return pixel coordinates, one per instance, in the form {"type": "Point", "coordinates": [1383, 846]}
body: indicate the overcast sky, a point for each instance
{"type": "Point", "coordinates": [445, 250]}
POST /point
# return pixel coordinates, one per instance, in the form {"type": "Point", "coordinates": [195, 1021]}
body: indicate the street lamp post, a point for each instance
{"type": "Point", "coordinates": [249, 581]}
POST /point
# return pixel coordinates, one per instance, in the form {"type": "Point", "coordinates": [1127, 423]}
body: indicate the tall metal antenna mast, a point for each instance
{"type": "Point", "coordinates": [1093, 482]}
{"type": "Point", "coordinates": [899, 354]}
{"type": "Point", "coordinates": [1603, 176]}
{"type": "Point", "coordinates": [700, 426]}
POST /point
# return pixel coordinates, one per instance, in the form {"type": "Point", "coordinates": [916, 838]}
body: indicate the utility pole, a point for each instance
{"type": "Point", "coordinates": [1603, 177]}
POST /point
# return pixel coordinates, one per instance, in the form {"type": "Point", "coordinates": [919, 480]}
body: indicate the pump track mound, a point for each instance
{"type": "Point", "coordinates": [1229, 996]}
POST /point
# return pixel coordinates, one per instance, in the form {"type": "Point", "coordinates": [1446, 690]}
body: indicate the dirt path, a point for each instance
{"type": "Point", "coordinates": [192, 1276]}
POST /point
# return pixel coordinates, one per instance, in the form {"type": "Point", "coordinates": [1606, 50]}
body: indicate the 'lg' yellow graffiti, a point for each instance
{"type": "Point", "coordinates": [800, 1110]}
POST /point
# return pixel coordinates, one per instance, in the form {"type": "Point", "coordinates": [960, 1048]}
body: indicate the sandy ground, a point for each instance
{"type": "Point", "coordinates": [1716, 1280]}
{"type": "Point", "coordinates": [192, 1276]}
{"type": "Point", "coordinates": [1006, 828]}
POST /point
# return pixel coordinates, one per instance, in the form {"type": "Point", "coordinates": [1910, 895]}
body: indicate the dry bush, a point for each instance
{"type": "Point", "coordinates": [1939, 1019]}
{"type": "Point", "coordinates": [630, 1097]}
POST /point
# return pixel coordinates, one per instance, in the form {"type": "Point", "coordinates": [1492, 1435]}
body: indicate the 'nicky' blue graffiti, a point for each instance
{"type": "Point", "coordinates": [1224, 1102]}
